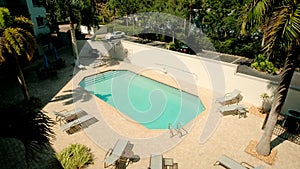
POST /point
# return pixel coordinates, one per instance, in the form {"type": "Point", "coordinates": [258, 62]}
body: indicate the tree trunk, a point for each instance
{"type": "Point", "coordinates": [126, 20]}
{"type": "Point", "coordinates": [263, 40]}
{"type": "Point", "coordinates": [184, 27]}
{"type": "Point", "coordinates": [21, 79]}
{"type": "Point", "coordinates": [264, 145]}
{"type": "Point", "coordinates": [173, 37]}
{"type": "Point", "coordinates": [74, 42]}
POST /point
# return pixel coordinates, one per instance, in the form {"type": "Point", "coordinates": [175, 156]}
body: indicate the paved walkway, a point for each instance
{"type": "Point", "coordinates": [231, 136]}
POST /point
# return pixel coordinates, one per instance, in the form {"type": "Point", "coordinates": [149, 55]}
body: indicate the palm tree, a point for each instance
{"type": "Point", "coordinates": [280, 23]}
{"type": "Point", "coordinates": [71, 9]}
{"type": "Point", "coordinates": [25, 121]}
{"type": "Point", "coordinates": [16, 40]}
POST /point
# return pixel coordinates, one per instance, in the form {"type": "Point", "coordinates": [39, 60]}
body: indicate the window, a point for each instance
{"type": "Point", "coordinates": [40, 21]}
{"type": "Point", "coordinates": [2, 3]}
{"type": "Point", "coordinates": [36, 3]}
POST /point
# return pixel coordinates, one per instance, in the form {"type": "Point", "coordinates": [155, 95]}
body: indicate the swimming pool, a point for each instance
{"type": "Point", "coordinates": [146, 101]}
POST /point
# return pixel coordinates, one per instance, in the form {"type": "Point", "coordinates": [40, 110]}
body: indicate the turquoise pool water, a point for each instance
{"type": "Point", "coordinates": [146, 101]}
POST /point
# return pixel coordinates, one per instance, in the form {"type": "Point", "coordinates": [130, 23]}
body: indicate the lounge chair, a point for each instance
{"type": "Point", "coordinates": [233, 109]}
{"type": "Point", "coordinates": [122, 149]}
{"type": "Point", "coordinates": [78, 121]}
{"type": "Point", "coordinates": [229, 163]}
{"type": "Point", "coordinates": [229, 98]}
{"type": "Point", "coordinates": [156, 162]}
{"type": "Point", "coordinates": [97, 64]}
{"type": "Point", "coordinates": [78, 65]}
{"type": "Point", "coordinates": [67, 115]}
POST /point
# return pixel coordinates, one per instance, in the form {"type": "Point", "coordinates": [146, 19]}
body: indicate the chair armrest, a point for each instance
{"type": "Point", "coordinates": [63, 110]}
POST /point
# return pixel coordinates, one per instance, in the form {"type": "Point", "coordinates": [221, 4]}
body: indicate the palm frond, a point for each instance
{"type": "Point", "coordinates": [29, 45]}
{"type": "Point", "coordinates": [25, 121]}
{"type": "Point", "coordinates": [20, 41]}
{"type": "Point", "coordinates": [285, 80]}
{"type": "Point", "coordinates": [283, 28]}
{"type": "Point", "coordinates": [254, 15]}
{"type": "Point", "coordinates": [22, 22]}
{"type": "Point", "coordinates": [13, 44]}
{"type": "Point", "coordinates": [2, 49]}
{"type": "Point", "coordinates": [4, 17]}
{"type": "Point", "coordinates": [293, 28]}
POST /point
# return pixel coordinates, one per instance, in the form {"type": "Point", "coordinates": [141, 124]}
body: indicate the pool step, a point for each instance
{"type": "Point", "coordinates": [91, 80]}
{"type": "Point", "coordinates": [178, 130]}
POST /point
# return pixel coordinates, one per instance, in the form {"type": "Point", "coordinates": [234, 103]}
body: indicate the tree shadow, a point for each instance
{"type": "Point", "coordinates": [103, 97]}
{"type": "Point", "coordinates": [72, 96]}
{"type": "Point", "coordinates": [284, 134]}
{"type": "Point", "coordinates": [278, 140]}
{"type": "Point", "coordinates": [82, 126]}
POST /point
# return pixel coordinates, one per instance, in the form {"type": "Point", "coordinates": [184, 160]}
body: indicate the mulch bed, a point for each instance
{"type": "Point", "coordinates": [270, 159]}
{"type": "Point", "coordinates": [257, 112]}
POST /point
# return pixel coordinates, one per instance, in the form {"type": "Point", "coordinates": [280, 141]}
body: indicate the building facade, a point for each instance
{"type": "Point", "coordinates": [30, 9]}
{"type": "Point", "coordinates": [33, 10]}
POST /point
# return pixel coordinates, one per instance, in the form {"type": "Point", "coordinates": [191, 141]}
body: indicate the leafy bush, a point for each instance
{"type": "Point", "coordinates": [174, 46]}
{"type": "Point", "coordinates": [261, 63]}
{"type": "Point", "coordinates": [76, 156]}
{"type": "Point", "coordinates": [171, 46]}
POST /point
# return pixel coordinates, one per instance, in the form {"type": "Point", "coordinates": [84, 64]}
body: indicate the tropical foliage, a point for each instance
{"type": "Point", "coordinates": [279, 21]}
{"type": "Point", "coordinates": [73, 11]}
{"type": "Point", "coordinates": [214, 19]}
{"type": "Point", "coordinates": [76, 156]}
{"type": "Point", "coordinates": [16, 40]}
{"type": "Point", "coordinates": [261, 63]}
{"type": "Point", "coordinates": [26, 122]}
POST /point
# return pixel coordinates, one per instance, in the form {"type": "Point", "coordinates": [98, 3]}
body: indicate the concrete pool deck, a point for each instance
{"type": "Point", "coordinates": [231, 136]}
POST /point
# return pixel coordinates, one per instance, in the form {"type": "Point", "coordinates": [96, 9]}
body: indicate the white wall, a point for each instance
{"type": "Point", "coordinates": [221, 77]}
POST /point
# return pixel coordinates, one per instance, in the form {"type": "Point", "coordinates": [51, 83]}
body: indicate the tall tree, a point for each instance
{"type": "Point", "coordinates": [70, 10]}
{"type": "Point", "coordinates": [219, 21]}
{"type": "Point", "coordinates": [51, 9]}
{"type": "Point", "coordinates": [280, 23]}
{"type": "Point", "coordinates": [16, 40]}
{"type": "Point", "coordinates": [74, 11]}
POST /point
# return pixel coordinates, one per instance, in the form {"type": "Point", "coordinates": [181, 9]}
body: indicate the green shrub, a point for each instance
{"type": "Point", "coordinates": [261, 63]}
{"type": "Point", "coordinates": [174, 46]}
{"type": "Point", "coordinates": [170, 46]}
{"type": "Point", "coordinates": [76, 156]}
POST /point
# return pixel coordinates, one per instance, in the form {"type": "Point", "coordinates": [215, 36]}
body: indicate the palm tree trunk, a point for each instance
{"type": "Point", "coordinates": [263, 40]}
{"type": "Point", "coordinates": [74, 42]}
{"type": "Point", "coordinates": [21, 79]}
{"type": "Point", "coordinates": [264, 145]}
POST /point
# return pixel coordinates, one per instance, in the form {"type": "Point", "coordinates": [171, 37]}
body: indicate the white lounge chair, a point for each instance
{"type": "Point", "coordinates": [98, 64]}
{"type": "Point", "coordinates": [229, 98]}
{"type": "Point", "coordinates": [65, 115]}
{"type": "Point", "coordinates": [78, 65]}
{"type": "Point", "coordinates": [156, 162]}
{"type": "Point", "coordinates": [78, 121]}
{"type": "Point", "coordinates": [122, 149]}
{"type": "Point", "coordinates": [229, 163]}
{"type": "Point", "coordinates": [159, 162]}
{"type": "Point", "coordinates": [233, 109]}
